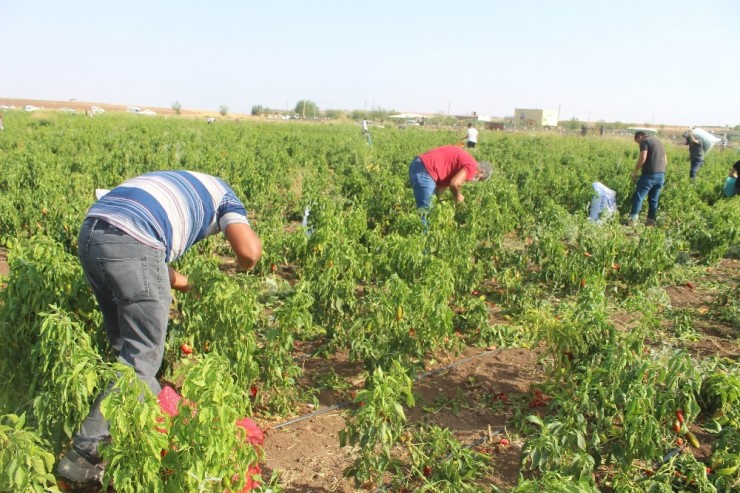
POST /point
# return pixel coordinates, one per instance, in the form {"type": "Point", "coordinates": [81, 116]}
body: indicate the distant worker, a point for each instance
{"type": "Point", "coordinates": [2, 124]}
{"type": "Point", "coordinates": [696, 153]}
{"type": "Point", "coordinates": [732, 184]}
{"type": "Point", "coordinates": [651, 163]}
{"type": "Point", "coordinates": [442, 168]}
{"type": "Point", "coordinates": [472, 136]}
{"type": "Point", "coordinates": [366, 132]}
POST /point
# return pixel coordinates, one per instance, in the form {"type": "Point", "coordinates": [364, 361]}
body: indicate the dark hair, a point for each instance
{"type": "Point", "coordinates": [640, 133]}
{"type": "Point", "coordinates": [737, 166]}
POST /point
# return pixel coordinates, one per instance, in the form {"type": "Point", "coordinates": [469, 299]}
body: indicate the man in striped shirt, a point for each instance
{"type": "Point", "coordinates": [126, 241]}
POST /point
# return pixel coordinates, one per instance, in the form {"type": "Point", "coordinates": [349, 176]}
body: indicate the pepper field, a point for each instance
{"type": "Point", "coordinates": [633, 391]}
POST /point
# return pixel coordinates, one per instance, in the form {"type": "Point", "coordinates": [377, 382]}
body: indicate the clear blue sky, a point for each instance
{"type": "Point", "coordinates": [657, 61]}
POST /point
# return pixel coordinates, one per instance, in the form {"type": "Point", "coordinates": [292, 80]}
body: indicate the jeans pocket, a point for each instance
{"type": "Point", "coordinates": [127, 278]}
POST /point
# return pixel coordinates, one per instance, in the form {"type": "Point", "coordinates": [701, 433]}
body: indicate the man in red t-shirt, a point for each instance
{"type": "Point", "coordinates": [442, 168]}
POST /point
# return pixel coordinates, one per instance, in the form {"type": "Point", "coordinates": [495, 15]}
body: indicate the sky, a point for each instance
{"type": "Point", "coordinates": [646, 62]}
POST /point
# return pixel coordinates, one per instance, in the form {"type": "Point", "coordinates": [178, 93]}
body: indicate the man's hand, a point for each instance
{"type": "Point", "coordinates": [459, 198]}
{"type": "Point", "coordinates": [633, 177]}
{"type": "Point", "coordinates": [178, 281]}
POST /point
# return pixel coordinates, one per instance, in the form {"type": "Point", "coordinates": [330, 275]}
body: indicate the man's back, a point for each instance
{"type": "Point", "coordinates": [656, 158]}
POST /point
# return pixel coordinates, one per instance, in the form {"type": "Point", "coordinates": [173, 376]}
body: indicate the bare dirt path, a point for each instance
{"type": "Point", "coordinates": [309, 457]}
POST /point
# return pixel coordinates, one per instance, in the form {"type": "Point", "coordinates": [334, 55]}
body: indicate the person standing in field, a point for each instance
{"type": "Point", "coordinates": [127, 239]}
{"type": "Point", "coordinates": [439, 169]}
{"type": "Point", "coordinates": [472, 137]}
{"type": "Point", "coordinates": [696, 153]}
{"type": "Point", "coordinates": [651, 164]}
{"type": "Point", "coordinates": [366, 132]}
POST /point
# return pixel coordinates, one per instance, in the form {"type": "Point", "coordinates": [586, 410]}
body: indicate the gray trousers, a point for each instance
{"type": "Point", "coordinates": [131, 284]}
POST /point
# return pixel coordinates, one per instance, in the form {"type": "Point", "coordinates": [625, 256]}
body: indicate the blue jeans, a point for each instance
{"type": "Point", "coordinates": [422, 183]}
{"type": "Point", "coordinates": [695, 165]}
{"type": "Point", "coordinates": [131, 284]}
{"type": "Point", "coordinates": [649, 184]}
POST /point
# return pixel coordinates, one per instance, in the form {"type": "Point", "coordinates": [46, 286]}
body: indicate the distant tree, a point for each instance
{"type": "Point", "coordinates": [334, 114]}
{"type": "Point", "coordinates": [379, 114]}
{"type": "Point", "coordinates": [258, 110]}
{"type": "Point", "coordinates": [572, 124]}
{"type": "Point", "coordinates": [223, 110]}
{"type": "Point", "coordinates": [358, 115]}
{"type": "Point", "coordinates": [177, 107]}
{"type": "Point", "coordinates": [306, 108]}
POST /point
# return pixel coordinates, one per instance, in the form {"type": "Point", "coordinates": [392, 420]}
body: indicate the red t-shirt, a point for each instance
{"type": "Point", "coordinates": [445, 162]}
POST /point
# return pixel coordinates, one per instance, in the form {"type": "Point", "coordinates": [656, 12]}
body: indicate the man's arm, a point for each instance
{"type": "Point", "coordinates": [640, 161]}
{"type": "Point", "coordinates": [246, 244]}
{"type": "Point", "coordinates": [456, 184]}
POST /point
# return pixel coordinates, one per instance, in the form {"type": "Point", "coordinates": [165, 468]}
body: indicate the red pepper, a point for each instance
{"type": "Point", "coordinates": [186, 349]}
{"type": "Point", "coordinates": [677, 426]}
{"type": "Point", "coordinates": [679, 415]}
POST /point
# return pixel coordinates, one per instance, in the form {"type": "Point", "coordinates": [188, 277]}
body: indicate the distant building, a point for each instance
{"type": "Point", "coordinates": [540, 118]}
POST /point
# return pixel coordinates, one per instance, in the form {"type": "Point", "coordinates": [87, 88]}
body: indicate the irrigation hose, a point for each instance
{"type": "Point", "coordinates": [347, 403]}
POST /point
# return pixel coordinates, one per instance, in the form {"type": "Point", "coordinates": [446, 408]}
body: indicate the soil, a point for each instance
{"type": "Point", "coordinates": [4, 268]}
{"type": "Point", "coordinates": [306, 452]}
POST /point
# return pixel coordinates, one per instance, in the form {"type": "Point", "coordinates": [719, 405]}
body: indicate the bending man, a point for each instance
{"type": "Point", "coordinates": [126, 241]}
{"type": "Point", "coordinates": [442, 168]}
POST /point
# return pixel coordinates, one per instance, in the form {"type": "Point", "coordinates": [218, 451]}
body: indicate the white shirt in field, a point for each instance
{"type": "Point", "coordinates": [473, 135]}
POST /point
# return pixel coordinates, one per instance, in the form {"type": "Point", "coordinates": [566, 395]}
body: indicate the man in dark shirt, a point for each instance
{"type": "Point", "coordinates": [696, 153]}
{"type": "Point", "coordinates": [652, 162]}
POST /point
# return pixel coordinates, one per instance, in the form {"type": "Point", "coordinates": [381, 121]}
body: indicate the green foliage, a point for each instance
{"type": "Point", "coordinates": [68, 376]}
{"type": "Point", "coordinates": [377, 423]}
{"type": "Point", "coordinates": [306, 108]}
{"type": "Point", "coordinates": [364, 278]}
{"type": "Point", "coordinates": [200, 449]}
{"type": "Point", "coordinates": [442, 464]}
{"type": "Point", "coordinates": [133, 455]}
{"type": "Point", "coordinates": [25, 464]}
{"type": "Point", "coordinates": [42, 275]}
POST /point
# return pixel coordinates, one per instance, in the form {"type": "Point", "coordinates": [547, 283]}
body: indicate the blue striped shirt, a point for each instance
{"type": "Point", "coordinates": [170, 210]}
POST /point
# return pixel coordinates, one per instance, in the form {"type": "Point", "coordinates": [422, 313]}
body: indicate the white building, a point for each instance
{"type": "Point", "coordinates": [541, 118]}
